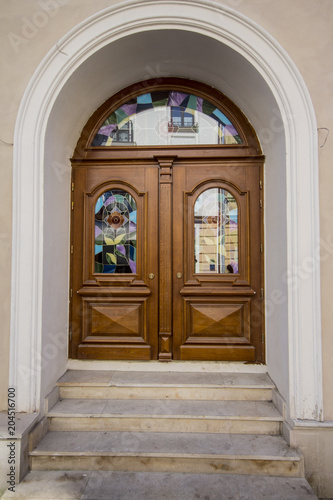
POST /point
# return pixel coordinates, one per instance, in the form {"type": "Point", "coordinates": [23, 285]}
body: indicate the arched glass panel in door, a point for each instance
{"type": "Point", "coordinates": [115, 232]}
{"type": "Point", "coordinates": [216, 232]}
{"type": "Point", "coordinates": [161, 118]}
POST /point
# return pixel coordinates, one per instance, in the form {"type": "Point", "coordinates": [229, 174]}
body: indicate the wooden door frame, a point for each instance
{"type": "Point", "coordinates": [250, 147]}
{"type": "Point", "coordinates": [248, 152]}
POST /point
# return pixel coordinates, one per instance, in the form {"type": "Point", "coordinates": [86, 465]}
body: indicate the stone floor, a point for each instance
{"type": "Point", "coordinates": [107, 485]}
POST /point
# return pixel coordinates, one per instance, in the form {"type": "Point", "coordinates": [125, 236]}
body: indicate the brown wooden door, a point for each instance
{"type": "Point", "coordinates": [174, 304]}
{"type": "Point", "coordinates": [114, 313]}
{"type": "Point", "coordinates": [217, 311]}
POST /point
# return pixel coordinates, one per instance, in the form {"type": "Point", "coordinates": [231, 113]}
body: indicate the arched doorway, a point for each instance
{"type": "Point", "coordinates": [167, 240]}
{"type": "Point", "coordinates": [256, 73]}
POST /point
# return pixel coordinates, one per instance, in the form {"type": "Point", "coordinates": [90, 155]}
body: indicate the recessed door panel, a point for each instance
{"type": "Point", "coordinates": [226, 320]}
{"type": "Point", "coordinates": [115, 319]}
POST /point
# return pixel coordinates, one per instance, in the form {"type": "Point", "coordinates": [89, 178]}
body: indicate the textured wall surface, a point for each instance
{"type": "Point", "coordinates": [30, 28]}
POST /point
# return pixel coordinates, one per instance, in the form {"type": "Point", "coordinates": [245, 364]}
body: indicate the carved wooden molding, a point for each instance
{"type": "Point", "coordinates": [165, 259]}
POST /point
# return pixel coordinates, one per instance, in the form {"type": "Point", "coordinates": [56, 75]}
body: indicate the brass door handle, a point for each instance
{"type": "Point", "coordinates": [179, 275]}
{"type": "Point", "coordinates": [151, 276]}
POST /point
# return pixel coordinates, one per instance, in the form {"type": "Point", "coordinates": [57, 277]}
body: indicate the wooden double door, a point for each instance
{"type": "Point", "coordinates": [167, 260]}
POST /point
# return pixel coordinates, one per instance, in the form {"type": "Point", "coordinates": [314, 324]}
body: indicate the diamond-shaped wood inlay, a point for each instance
{"type": "Point", "coordinates": [115, 319]}
{"type": "Point", "coordinates": [217, 319]}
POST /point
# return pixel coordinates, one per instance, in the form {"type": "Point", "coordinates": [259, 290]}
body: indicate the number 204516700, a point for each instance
{"type": "Point", "coordinates": [11, 411]}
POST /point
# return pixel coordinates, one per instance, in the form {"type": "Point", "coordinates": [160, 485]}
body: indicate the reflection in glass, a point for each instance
{"type": "Point", "coordinates": [216, 232]}
{"type": "Point", "coordinates": [163, 118]}
{"type": "Point", "coordinates": [115, 232]}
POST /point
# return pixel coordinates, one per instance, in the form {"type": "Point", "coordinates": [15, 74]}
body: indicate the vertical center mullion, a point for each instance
{"type": "Point", "coordinates": [165, 258]}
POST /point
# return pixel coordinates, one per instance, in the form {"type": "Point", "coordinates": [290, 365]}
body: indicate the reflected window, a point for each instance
{"type": "Point", "coordinates": [181, 119]}
{"type": "Point", "coordinates": [162, 118]}
{"type": "Point", "coordinates": [124, 135]}
{"type": "Point", "coordinates": [216, 232]}
{"type": "Point", "coordinates": [115, 232]}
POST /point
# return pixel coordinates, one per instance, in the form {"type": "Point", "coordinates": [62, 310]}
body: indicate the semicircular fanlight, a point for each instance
{"type": "Point", "coordinates": [162, 118]}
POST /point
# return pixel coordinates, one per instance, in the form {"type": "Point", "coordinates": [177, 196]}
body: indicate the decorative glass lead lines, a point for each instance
{"type": "Point", "coordinates": [166, 118]}
{"type": "Point", "coordinates": [216, 232]}
{"type": "Point", "coordinates": [115, 232]}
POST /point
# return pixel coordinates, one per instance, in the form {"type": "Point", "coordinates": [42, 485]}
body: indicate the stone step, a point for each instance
{"type": "Point", "coordinates": [165, 385]}
{"type": "Point", "coordinates": [103, 485]}
{"type": "Point", "coordinates": [167, 452]}
{"type": "Point", "coordinates": [164, 435]}
{"type": "Point", "coordinates": [260, 417]}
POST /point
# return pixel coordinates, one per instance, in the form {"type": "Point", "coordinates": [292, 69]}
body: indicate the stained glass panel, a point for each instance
{"type": "Point", "coordinates": [115, 232]}
{"type": "Point", "coordinates": [164, 118]}
{"type": "Point", "coordinates": [216, 232]}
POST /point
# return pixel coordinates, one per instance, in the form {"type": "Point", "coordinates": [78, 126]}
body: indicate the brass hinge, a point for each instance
{"type": "Point", "coordinates": [72, 186]}
{"type": "Point", "coordinates": [262, 338]}
{"type": "Point", "coordinates": [260, 184]}
{"type": "Point", "coordinates": [70, 334]}
{"type": "Point", "coordinates": [71, 292]}
{"type": "Point", "coordinates": [72, 205]}
{"type": "Point", "coordinates": [72, 249]}
{"type": "Point", "coordinates": [261, 248]}
{"type": "Point", "coordinates": [261, 293]}
{"type": "Point", "coordinates": [260, 203]}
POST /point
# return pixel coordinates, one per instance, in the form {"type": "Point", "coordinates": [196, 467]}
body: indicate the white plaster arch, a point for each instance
{"type": "Point", "coordinates": [273, 65]}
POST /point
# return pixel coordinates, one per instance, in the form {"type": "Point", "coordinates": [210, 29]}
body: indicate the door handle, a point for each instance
{"type": "Point", "coordinates": [151, 276]}
{"type": "Point", "coordinates": [179, 275]}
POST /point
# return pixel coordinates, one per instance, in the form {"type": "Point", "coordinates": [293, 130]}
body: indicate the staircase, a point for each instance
{"type": "Point", "coordinates": [152, 435]}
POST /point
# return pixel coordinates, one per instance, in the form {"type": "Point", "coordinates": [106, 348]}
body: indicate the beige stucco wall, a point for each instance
{"type": "Point", "coordinates": [317, 448]}
{"type": "Point", "coordinates": [29, 30]}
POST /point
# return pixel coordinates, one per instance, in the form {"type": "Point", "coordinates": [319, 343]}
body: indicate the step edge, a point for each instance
{"type": "Point", "coordinates": [38, 453]}
{"type": "Point", "coordinates": [277, 418]}
{"type": "Point", "coordinates": [171, 386]}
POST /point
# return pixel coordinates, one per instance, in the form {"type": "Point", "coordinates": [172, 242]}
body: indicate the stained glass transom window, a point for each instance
{"type": "Point", "coordinates": [166, 118]}
{"type": "Point", "coordinates": [216, 232]}
{"type": "Point", "coordinates": [115, 232]}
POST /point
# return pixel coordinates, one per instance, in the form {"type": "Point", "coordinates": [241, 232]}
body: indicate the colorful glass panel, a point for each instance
{"type": "Point", "coordinates": [216, 232]}
{"type": "Point", "coordinates": [164, 118]}
{"type": "Point", "coordinates": [115, 232]}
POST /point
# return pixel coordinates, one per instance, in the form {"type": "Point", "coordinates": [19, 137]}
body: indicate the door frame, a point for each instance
{"type": "Point", "coordinates": [244, 156]}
